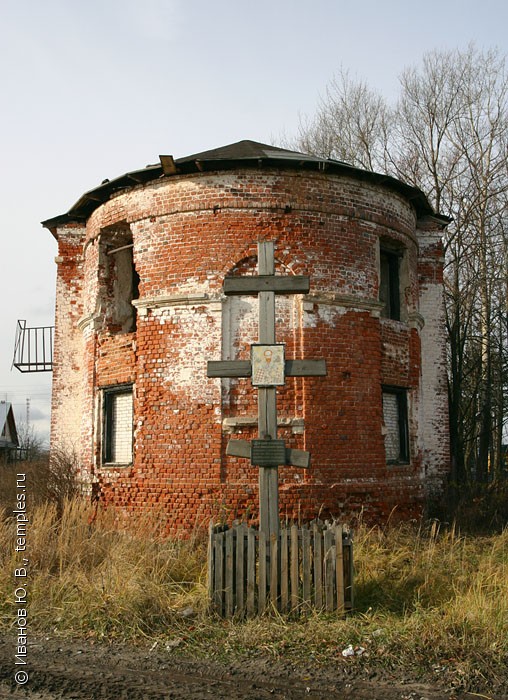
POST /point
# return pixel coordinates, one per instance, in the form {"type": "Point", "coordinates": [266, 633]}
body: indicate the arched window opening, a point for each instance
{"type": "Point", "coordinates": [393, 279]}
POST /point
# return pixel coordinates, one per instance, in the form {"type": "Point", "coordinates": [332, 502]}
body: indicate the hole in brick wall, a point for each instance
{"type": "Point", "coordinates": [120, 279]}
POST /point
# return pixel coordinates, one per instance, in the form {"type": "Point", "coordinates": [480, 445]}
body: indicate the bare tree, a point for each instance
{"type": "Point", "coordinates": [352, 124]}
{"type": "Point", "coordinates": [447, 135]}
{"type": "Point", "coordinates": [30, 442]}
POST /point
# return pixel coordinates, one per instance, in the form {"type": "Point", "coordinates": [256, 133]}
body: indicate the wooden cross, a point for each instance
{"type": "Point", "coordinates": [267, 368]}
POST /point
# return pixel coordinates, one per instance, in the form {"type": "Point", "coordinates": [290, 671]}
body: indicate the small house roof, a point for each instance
{"type": "Point", "coordinates": [240, 154]}
{"type": "Point", "coordinates": [8, 432]}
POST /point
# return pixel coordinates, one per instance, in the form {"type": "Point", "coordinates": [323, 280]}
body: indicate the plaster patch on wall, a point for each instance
{"type": "Point", "coordinates": [434, 423]}
{"type": "Point", "coordinates": [398, 354]}
{"type": "Point", "coordinates": [184, 368]}
{"type": "Point", "coordinates": [314, 314]}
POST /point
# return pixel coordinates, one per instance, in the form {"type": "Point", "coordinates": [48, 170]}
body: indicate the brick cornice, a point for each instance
{"type": "Point", "coordinates": [346, 301]}
{"type": "Point", "coordinates": [161, 302]}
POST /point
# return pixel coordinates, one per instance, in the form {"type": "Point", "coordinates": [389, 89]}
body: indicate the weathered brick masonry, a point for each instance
{"type": "Point", "coordinates": [162, 240]}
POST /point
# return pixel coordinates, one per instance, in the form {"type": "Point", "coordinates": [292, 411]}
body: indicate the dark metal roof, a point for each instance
{"type": "Point", "coordinates": [235, 155]}
{"type": "Point", "coordinates": [248, 150]}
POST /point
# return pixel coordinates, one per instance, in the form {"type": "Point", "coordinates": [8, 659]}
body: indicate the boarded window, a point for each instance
{"type": "Point", "coordinates": [118, 425]}
{"type": "Point", "coordinates": [395, 425]}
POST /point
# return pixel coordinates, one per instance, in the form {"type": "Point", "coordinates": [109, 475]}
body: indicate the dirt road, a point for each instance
{"type": "Point", "coordinates": [60, 668]}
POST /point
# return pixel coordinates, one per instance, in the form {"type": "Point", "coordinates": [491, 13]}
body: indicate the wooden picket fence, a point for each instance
{"type": "Point", "coordinates": [304, 567]}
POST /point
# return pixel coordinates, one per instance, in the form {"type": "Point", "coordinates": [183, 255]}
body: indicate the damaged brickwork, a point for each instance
{"type": "Point", "coordinates": [140, 310]}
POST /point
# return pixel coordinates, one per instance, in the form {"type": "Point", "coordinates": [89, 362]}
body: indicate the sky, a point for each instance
{"type": "Point", "coordinates": [91, 90]}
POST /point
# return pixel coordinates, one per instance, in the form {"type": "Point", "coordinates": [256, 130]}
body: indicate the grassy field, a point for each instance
{"type": "Point", "coordinates": [426, 598]}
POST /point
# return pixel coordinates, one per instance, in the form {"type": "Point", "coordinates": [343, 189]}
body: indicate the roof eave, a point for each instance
{"type": "Point", "coordinates": [209, 161]}
{"type": "Point", "coordinates": [90, 200]}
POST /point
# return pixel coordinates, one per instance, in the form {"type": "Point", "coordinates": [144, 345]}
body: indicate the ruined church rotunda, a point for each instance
{"type": "Point", "coordinates": [141, 309]}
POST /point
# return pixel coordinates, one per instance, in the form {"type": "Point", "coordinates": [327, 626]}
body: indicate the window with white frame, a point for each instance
{"type": "Point", "coordinates": [117, 425]}
{"type": "Point", "coordinates": [395, 419]}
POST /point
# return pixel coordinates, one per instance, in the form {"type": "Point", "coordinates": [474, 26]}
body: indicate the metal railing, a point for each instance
{"type": "Point", "coordinates": [33, 348]}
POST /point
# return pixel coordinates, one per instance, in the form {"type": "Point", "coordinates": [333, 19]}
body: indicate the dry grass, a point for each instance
{"type": "Point", "coordinates": [46, 480]}
{"type": "Point", "coordinates": [437, 598]}
{"type": "Point", "coordinates": [425, 600]}
{"type": "Point", "coordinates": [104, 577]}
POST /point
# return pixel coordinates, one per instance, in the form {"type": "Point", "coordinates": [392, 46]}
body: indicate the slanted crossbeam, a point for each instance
{"type": "Point", "coordinates": [267, 368]}
{"type": "Point", "coordinates": [293, 458]}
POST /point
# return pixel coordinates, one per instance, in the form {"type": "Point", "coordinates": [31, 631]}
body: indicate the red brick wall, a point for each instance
{"type": "Point", "coordinates": [191, 231]}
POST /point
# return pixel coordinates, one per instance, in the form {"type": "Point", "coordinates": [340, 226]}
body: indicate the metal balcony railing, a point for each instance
{"type": "Point", "coordinates": [33, 348]}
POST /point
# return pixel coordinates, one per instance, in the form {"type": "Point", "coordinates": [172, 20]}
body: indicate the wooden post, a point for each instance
{"type": "Point", "coordinates": [267, 398]}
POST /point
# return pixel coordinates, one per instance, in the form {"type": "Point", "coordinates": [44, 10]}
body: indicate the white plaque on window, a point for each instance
{"type": "Point", "coordinates": [267, 365]}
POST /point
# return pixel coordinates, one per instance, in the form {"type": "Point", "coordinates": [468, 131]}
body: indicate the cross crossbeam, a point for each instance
{"type": "Point", "coordinates": [243, 368]}
{"type": "Point", "coordinates": [240, 286]}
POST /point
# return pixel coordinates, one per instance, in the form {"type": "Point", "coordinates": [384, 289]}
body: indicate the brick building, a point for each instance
{"type": "Point", "coordinates": [140, 309]}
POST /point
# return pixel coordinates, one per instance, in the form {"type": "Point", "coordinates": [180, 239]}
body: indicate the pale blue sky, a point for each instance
{"type": "Point", "coordinates": [94, 89]}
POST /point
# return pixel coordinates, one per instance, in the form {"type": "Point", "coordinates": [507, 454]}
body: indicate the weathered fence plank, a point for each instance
{"type": "Point", "coordinates": [329, 574]}
{"type": "Point", "coordinates": [274, 569]}
{"type": "Point", "coordinates": [348, 575]}
{"type": "Point", "coordinates": [339, 567]}
{"type": "Point", "coordinates": [251, 572]}
{"type": "Point", "coordinates": [306, 565]}
{"type": "Point", "coordinates": [262, 573]}
{"type": "Point", "coordinates": [294, 567]}
{"type": "Point", "coordinates": [219, 573]}
{"type": "Point", "coordinates": [318, 566]}
{"type": "Point", "coordinates": [211, 561]}
{"type": "Point", "coordinates": [240, 567]}
{"type": "Point", "coordinates": [299, 568]}
{"type": "Point", "coordinates": [229, 574]}
{"type": "Point", "coordinates": [284, 571]}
